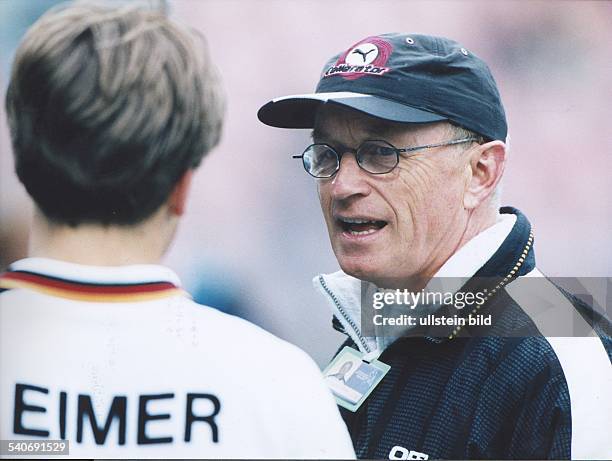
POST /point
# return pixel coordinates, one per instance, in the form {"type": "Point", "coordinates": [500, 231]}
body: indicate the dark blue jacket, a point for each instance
{"type": "Point", "coordinates": [454, 395]}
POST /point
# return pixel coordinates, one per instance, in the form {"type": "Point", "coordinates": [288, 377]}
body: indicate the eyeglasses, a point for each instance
{"type": "Point", "coordinates": [374, 156]}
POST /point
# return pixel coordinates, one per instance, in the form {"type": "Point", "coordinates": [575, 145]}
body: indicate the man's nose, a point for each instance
{"type": "Point", "coordinates": [350, 179]}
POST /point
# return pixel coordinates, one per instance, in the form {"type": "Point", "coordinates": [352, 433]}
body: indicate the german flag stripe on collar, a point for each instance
{"type": "Point", "coordinates": [92, 292]}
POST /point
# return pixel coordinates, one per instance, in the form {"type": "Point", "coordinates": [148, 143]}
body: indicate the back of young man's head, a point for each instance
{"type": "Point", "coordinates": [108, 108]}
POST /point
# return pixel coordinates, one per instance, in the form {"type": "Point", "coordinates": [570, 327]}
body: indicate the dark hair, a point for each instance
{"type": "Point", "coordinates": [108, 108]}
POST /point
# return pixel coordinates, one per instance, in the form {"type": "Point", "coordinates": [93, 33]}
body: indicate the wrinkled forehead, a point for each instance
{"type": "Point", "coordinates": [335, 123]}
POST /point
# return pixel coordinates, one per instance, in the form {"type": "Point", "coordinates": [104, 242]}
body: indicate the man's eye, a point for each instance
{"type": "Point", "coordinates": [379, 151]}
{"type": "Point", "coordinates": [327, 154]}
{"type": "Point", "coordinates": [385, 151]}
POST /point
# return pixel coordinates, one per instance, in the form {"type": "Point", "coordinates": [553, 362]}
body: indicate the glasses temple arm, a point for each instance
{"type": "Point", "coordinates": [440, 144]}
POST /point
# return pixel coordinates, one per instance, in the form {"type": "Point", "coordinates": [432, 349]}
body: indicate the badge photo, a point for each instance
{"type": "Point", "coordinates": [351, 379]}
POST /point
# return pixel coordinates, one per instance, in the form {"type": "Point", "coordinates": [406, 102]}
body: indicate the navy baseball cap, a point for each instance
{"type": "Point", "coordinates": [401, 78]}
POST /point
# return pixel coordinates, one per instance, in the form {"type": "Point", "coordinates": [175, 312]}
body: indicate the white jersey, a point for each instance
{"type": "Point", "coordinates": [121, 363]}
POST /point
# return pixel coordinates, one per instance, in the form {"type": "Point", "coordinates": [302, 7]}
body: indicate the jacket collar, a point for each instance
{"type": "Point", "coordinates": [493, 254]}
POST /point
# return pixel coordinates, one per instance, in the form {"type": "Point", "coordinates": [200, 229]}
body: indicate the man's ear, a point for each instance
{"type": "Point", "coordinates": [177, 202]}
{"type": "Point", "coordinates": [487, 164]}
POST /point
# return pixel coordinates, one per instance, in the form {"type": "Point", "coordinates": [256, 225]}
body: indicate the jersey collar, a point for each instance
{"type": "Point", "coordinates": [131, 283]}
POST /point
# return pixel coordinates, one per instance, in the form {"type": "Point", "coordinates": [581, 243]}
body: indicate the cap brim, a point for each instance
{"type": "Point", "coordinates": [299, 110]}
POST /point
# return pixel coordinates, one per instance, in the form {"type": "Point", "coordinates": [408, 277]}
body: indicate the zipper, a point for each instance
{"type": "Point", "coordinates": [508, 278]}
{"type": "Point", "coordinates": [346, 317]}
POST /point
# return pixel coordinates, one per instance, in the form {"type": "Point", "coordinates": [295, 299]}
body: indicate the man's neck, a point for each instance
{"type": "Point", "coordinates": [98, 245]}
{"type": "Point", "coordinates": [477, 222]}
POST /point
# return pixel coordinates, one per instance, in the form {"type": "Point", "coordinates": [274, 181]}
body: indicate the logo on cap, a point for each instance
{"type": "Point", "coordinates": [368, 57]}
{"type": "Point", "coordinates": [362, 54]}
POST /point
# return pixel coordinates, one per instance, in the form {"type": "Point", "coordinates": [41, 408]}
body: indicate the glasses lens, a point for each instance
{"type": "Point", "coordinates": [377, 156]}
{"type": "Point", "coordinates": [320, 161]}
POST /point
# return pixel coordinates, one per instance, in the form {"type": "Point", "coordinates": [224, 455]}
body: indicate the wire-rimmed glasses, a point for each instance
{"type": "Point", "coordinates": [374, 156]}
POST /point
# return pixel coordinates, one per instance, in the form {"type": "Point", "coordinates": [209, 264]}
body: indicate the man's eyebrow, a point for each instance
{"type": "Point", "coordinates": [382, 129]}
{"type": "Point", "coordinates": [376, 130]}
{"type": "Point", "coordinates": [317, 133]}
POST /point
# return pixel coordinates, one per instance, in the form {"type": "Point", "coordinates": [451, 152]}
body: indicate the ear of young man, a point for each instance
{"type": "Point", "coordinates": [177, 202]}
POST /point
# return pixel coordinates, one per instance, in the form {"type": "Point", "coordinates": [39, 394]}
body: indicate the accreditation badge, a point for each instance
{"type": "Point", "coordinates": [352, 379]}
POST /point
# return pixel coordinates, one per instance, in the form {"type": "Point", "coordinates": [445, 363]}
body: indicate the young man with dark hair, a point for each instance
{"type": "Point", "coordinates": [110, 111]}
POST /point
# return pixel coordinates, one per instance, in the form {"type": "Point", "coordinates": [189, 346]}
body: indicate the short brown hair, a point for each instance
{"type": "Point", "coordinates": [107, 108]}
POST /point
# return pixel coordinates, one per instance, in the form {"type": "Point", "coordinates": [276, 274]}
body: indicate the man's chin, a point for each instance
{"type": "Point", "coordinates": [360, 267]}
{"type": "Point", "coordinates": [374, 270]}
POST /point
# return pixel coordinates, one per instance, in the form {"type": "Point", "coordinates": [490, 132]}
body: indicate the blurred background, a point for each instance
{"type": "Point", "coordinates": [253, 237]}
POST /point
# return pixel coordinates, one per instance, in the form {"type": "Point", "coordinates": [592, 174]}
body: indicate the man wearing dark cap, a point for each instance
{"type": "Point", "coordinates": [409, 147]}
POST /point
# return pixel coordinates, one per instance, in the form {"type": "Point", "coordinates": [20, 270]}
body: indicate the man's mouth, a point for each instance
{"type": "Point", "coordinates": [360, 226]}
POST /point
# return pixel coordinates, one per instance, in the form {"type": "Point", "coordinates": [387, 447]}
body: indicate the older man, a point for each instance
{"type": "Point", "coordinates": [409, 147]}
